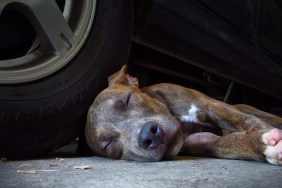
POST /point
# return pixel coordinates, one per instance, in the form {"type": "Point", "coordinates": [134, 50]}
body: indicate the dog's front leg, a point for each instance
{"type": "Point", "coordinates": [271, 119]}
{"type": "Point", "coordinates": [228, 117]}
{"type": "Point", "coordinates": [255, 145]}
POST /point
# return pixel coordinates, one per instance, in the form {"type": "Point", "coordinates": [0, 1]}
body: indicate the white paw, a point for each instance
{"type": "Point", "coordinates": [273, 150]}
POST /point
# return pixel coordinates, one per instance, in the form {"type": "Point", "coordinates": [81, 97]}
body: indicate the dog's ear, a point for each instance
{"type": "Point", "coordinates": [121, 77]}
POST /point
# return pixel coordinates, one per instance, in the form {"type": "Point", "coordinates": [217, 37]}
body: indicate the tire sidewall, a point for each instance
{"type": "Point", "coordinates": [44, 115]}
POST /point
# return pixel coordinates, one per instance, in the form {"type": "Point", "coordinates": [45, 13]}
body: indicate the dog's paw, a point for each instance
{"type": "Point", "coordinates": [273, 150]}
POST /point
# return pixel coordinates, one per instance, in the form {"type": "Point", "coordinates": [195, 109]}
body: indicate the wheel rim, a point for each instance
{"type": "Point", "coordinates": [59, 37]}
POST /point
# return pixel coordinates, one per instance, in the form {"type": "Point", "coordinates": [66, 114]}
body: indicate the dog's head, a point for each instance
{"type": "Point", "coordinates": [125, 123]}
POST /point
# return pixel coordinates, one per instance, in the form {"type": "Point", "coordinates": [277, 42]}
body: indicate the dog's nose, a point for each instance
{"type": "Point", "coordinates": [151, 136]}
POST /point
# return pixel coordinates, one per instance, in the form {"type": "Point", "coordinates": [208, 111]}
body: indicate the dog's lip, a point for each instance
{"type": "Point", "coordinates": [172, 144]}
{"type": "Point", "coordinates": [170, 134]}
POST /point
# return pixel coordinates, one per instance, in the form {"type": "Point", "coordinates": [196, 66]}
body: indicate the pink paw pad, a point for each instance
{"type": "Point", "coordinates": [273, 137]}
{"type": "Point", "coordinates": [273, 151]}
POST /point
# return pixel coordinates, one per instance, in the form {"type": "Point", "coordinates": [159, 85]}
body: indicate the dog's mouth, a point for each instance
{"type": "Point", "coordinates": [155, 138]}
{"type": "Point", "coordinates": [174, 146]}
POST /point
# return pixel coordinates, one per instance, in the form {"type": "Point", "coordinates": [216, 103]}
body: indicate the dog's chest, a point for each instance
{"type": "Point", "coordinates": [190, 114]}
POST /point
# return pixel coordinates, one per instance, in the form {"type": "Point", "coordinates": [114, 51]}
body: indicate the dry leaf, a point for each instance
{"type": "Point", "coordinates": [34, 171]}
{"type": "Point", "coordinates": [83, 167]}
{"type": "Point", "coordinates": [60, 159]}
{"type": "Point", "coordinates": [26, 172]}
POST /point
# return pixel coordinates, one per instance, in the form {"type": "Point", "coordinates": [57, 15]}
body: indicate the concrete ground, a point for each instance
{"type": "Point", "coordinates": [64, 169]}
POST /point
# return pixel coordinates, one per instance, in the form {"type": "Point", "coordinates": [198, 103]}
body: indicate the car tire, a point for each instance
{"type": "Point", "coordinates": [41, 116]}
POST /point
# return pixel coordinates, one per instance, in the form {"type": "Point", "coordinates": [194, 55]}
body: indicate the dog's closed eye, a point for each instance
{"type": "Point", "coordinates": [111, 148]}
{"type": "Point", "coordinates": [110, 143]}
{"type": "Point", "coordinates": [107, 144]}
{"type": "Point", "coordinates": [123, 104]}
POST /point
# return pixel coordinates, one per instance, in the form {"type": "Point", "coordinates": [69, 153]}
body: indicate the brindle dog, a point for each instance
{"type": "Point", "coordinates": [159, 121]}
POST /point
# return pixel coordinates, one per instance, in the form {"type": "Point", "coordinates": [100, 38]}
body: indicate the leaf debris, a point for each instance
{"type": "Point", "coordinates": [82, 167]}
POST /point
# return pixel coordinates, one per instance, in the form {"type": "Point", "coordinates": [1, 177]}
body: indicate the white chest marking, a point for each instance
{"type": "Point", "coordinates": [192, 115]}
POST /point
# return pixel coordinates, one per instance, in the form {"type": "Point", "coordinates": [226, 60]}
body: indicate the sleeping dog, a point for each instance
{"type": "Point", "coordinates": [159, 121]}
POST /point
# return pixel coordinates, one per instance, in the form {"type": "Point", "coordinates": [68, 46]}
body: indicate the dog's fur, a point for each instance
{"type": "Point", "coordinates": [159, 121]}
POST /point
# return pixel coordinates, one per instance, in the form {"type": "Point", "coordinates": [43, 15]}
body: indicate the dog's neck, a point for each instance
{"type": "Point", "coordinates": [158, 96]}
{"type": "Point", "coordinates": [187, 127]}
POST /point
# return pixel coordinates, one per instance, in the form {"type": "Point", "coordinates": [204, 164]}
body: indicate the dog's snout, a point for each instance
{"type": "Point", "coordinates": [151, 135]}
